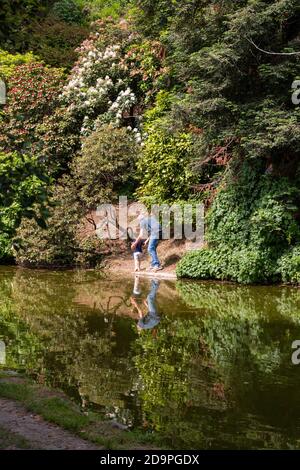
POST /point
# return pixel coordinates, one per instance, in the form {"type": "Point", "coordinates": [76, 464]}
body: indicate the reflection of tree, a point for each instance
{"type": "Point", "coordinates": [176, 382]}
{"type": "Point", "coordinates": [22, 347]}
{"type": "Point", "coordinates": [205, 379]}
{"type": "Point", "coordinates": [79, 348]}
{"type": "Point", "coordinates": [201, 377]}
{"type": "Point", "coordinates": [236, 322]}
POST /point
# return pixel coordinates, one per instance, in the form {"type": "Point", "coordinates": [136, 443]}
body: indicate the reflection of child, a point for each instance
{"type": "Point", "coordinates": [137, 253]}
{"type": "Point", "coordinates": [136, 288]}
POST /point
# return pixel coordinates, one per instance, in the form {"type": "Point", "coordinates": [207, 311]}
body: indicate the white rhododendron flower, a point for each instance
{"type": "Point", "coordinates": [98, 90]}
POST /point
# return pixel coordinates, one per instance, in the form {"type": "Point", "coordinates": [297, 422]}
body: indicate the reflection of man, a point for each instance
{"type": "Point", "coordinates": [150, 229]}
{"type": "Point", "coordinates": [149, 319]}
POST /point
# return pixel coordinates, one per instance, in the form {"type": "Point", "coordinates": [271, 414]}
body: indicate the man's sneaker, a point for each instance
{"type": "Point", "coordinates": [157, 268]}
{"type": "Point", "coordinates": [150, 268]}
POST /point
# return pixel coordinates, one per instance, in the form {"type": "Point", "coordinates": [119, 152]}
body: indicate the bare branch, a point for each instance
{"type": "Point", "coordinates": [272, 53]}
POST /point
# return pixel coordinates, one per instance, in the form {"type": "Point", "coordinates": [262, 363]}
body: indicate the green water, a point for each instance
{"type": "Point", "coordinates": [214, 371]}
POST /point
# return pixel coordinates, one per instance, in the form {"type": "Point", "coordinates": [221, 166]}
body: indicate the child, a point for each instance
{"type": "Point", "coordinates": [137, 253]}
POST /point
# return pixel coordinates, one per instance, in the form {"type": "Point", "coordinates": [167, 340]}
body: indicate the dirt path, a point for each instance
{"type": "Point", "coordinates": [38, 433]}
{"type": "Point", "coordinates": [169, 252]}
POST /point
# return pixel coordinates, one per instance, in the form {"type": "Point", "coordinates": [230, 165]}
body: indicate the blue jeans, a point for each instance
{"type": "Point", "coordinates": [152, 318]}
{"type": "Point", "coordinates": [153, 242]}
{"type": "Point", "coordinates": [151, 299]}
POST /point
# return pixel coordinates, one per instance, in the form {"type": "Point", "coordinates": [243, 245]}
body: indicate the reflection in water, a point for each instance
{"type": "Point", "coordinates": [149, 319]}
{"type": "Point", "coordinates": [217, 373]}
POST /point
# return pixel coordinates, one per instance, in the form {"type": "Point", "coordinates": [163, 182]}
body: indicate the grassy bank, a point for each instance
{"type": "Point", "coordinates": [57, 408]}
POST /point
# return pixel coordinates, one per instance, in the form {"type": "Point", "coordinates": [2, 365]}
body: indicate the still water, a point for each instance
{"type": "Point", "coordinates": [202, 365]}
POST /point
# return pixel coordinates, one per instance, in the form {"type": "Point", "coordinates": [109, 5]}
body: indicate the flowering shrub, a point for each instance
{"type": "Point", "coordinates": [33, 92]}
{"type": "Point", "coordinates": [97, 91]}
{"type": "Point", "coordinates": [105, 85]}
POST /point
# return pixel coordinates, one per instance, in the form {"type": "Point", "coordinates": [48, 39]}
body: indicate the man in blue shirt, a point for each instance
{"type": "Point", "coordinates": [150, 229]}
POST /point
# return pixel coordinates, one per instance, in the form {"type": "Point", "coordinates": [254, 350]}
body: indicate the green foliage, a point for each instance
{"type": "Point", "coordinates": [153, 16]}
{"type": "Point", "coordinates": [57, 141]}
{"type": "Point", "coordinates": [55, 41]}
{"type": "Point", "coordinates": [144, 61]}
{"type": "Point", "coordinates": [8, 62]}
{"type": "Point", "coordinates": [102, 170]}
{"type": "Point", "coordinates": [246, 265]}
{"type": "Point", "coordinates": [106, 166]}
{"type": "Point", "coordinates": [163, 168]}
{"type": "Point", "coordinates": [289, 265]}
{"type": "Point", "coordinates": [22, 186]}
{"type": "Point", "coordinates": [249, 226]}
{"type": "Point", "coordinates": [197, 264]}
{"type": "Point", "coordinates": [57, 244]}
{"type": "Point", "coordinates": [95, 9]}
{"type": "Point", "coordinates": [230, 97]}
{"type": "Point", "coordinates": [50, 33]}
{"type": "Point", "coordinates": [15, 17]}
{"type": "Point", "coordinates": [54, 409]}
{"type": "Point", "coordinates": [68, 11]}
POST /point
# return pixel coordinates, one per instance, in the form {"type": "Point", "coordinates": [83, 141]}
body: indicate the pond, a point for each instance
{"type": "Point", "coordinates": [202, 365]}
